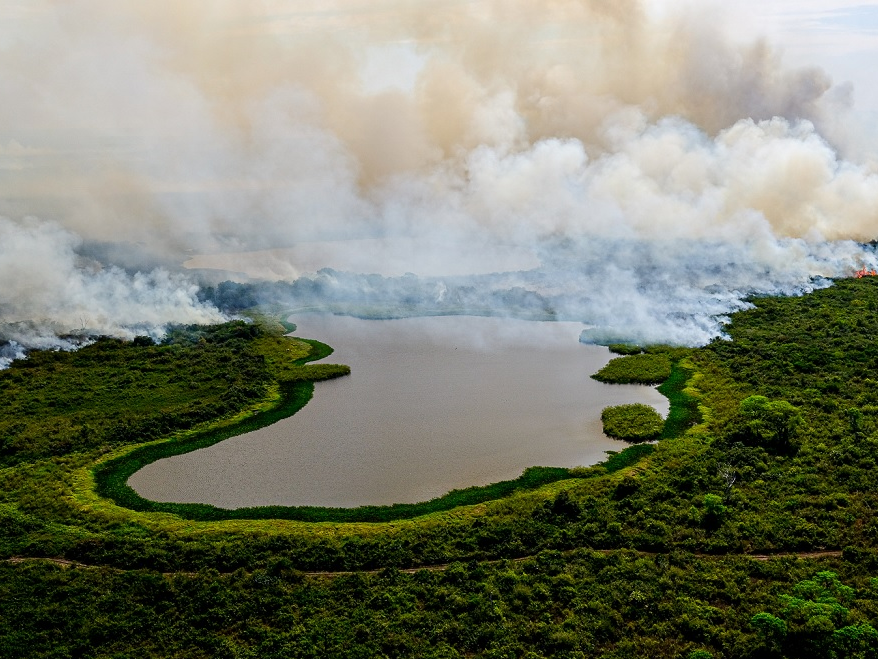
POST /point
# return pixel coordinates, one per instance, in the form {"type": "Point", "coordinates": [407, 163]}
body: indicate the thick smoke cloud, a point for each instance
{"type": "Point", "coordinates": [660, 170]}
{"type": "Point", "coordinates": [42, 274]}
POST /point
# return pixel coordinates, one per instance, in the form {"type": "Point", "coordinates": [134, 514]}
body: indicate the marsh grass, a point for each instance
{"type": "Point", "coordinates": [633, 423]}
{"type": "Point", "coordinates": [683, 411]}
{"type": "Point", "coordinates": [636, 369]}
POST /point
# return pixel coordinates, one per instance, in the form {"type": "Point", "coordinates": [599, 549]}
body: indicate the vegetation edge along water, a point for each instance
{"type": "Point", "coordinates": [111, 476]}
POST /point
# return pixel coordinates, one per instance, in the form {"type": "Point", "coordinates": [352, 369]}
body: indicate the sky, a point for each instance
{"type": "Point", "coordinates": [840, 36]}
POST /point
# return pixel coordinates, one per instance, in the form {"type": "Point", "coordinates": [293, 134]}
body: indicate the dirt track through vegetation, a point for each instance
{"type": "Point", "coordinates": [439, 567]}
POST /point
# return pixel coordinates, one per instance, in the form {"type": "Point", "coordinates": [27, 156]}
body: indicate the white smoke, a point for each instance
{"type": "Point", "coordinates": [9, 352]}
{"type": "Point", "coordinates": [49, 290]}
{"type": "Point", "coordinates": [661, 170]}
{"type": "Point", "coordinates": [768, 179]}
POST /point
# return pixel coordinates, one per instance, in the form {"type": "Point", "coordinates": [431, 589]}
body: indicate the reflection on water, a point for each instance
{"type": "Point", "coordinates": [432, 404]}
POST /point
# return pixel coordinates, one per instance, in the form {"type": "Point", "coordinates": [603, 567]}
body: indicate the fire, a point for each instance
{"type": "Point", "coordinates": [865, 273]}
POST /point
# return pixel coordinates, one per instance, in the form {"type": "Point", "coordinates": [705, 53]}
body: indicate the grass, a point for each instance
{"type": "Point", "coordinates": [684, 411]}
{"type": "Point", "coordinates": [636, 369]}
{"type": "Point", "coordinates": [634, 423]}
{"type": "Point", "coordinates": [617, 461]}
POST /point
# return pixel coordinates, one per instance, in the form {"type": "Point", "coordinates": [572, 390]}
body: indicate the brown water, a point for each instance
{"type": "Point", "coordinates": [432, 404]}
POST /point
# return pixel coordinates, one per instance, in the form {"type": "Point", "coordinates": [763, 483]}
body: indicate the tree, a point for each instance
{"type": "Point", "coordinates": [817, 621]}
{"type": "Point", "coordinates": [772, 631]}
{"type": "Point", "coordinates": [854, 642]}
{"type": "Point", "coordinates": [713, 510]}
{"type": "Point", "coordinates": [769, 422]}
{"type": "Point", "coordinates": [855, 417]}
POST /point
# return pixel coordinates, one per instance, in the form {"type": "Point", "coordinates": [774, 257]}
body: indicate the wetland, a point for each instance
{"type": "Point", "coordinates": [432, 404]}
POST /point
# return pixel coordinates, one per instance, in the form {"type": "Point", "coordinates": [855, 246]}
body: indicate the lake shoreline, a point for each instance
{"type": "Point", "coordinates": [112, 477]}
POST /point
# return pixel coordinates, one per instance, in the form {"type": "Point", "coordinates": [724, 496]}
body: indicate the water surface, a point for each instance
{"type": "Point", "coordinates": [432, 404]}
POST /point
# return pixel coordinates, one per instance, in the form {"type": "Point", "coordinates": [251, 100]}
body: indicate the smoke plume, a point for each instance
{"type": "Point", "coordinates": [660, 170]}
{"type": "Point", "coordinates": [42, 274]}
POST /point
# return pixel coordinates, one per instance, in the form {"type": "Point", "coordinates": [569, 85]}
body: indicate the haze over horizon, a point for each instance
{"type": "Point", "coordinates": [644, 166]}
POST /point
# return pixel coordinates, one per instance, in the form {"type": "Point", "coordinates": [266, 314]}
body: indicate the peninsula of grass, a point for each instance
{"type": "Point", "coordinates": [114, 393]}
{"type": "Point", "coordinates": [636, 369]}
{"type": "Point", "coordinates": [633, 423]}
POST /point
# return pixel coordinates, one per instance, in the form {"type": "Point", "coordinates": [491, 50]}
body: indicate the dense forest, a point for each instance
{"type": "Point", "coordinates": [747, 530]}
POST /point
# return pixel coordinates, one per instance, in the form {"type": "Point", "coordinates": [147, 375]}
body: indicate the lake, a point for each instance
{"type": "Point", "coordinates": [432, 404]}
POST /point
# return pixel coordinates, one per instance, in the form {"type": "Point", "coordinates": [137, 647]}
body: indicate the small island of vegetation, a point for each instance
{"type": "Point", "coordinates": [633, 423]}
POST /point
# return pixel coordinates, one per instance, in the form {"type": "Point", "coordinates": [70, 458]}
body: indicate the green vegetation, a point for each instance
{"type": "Point", "coordinates": [684, 409]}
{"type": "Point", "coordinates": [582, 603]}
{"type": "Point", "coordinates": [749, 530]}
{"type": "Point", "coordinates": [112, 392]}
{"type": "Point", "coordinates": [633, 423]}
{"type": "Point", "coordinates": [625, 349]}
{"type": "Point", "coordinates": [636, 369]}
{"type": "Point", "coordinates": [111, 482]}
{"type": "Point", "coordinates": [822, 618]}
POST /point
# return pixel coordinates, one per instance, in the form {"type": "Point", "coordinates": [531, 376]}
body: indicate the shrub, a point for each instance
{"type": "Point", "coordinates": [633, 423]}
{"type": "Point", "coordinates": [700, 654]}
{"type": "Point", "coordinates": [768, 422]}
